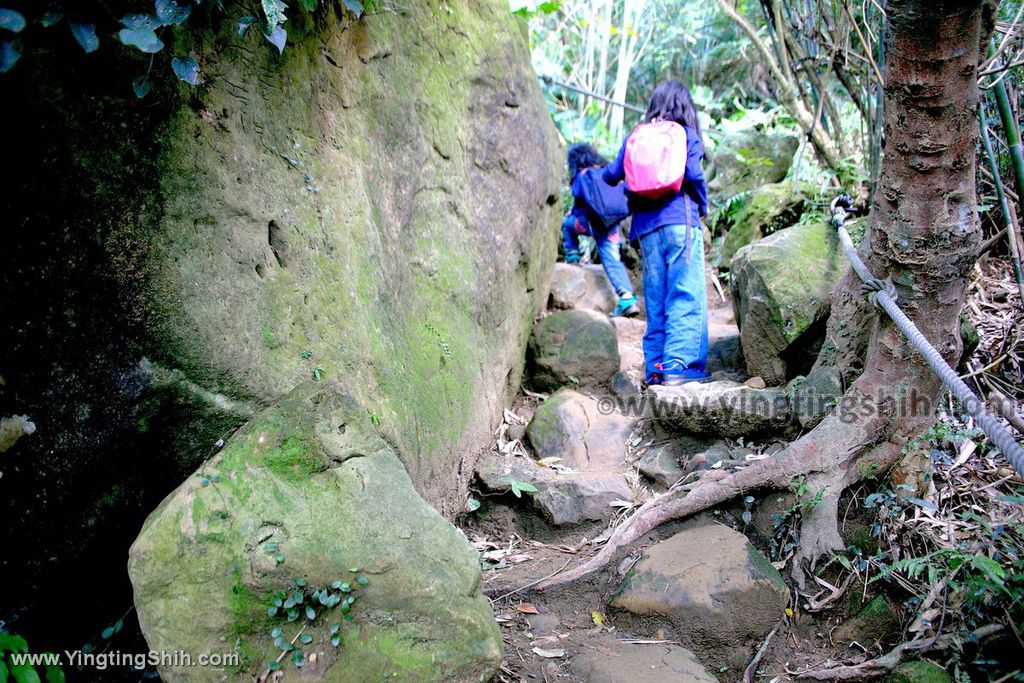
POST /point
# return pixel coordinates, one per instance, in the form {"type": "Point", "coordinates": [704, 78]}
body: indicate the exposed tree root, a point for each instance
{"type": "Point", "coordinates": [830, 452]}
{"type": "Point", "coordinates": [889, 661]}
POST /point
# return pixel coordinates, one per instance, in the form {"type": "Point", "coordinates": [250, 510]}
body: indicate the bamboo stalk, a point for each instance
{"type": "Point", "coordinates": [1009, 215]}
{"type": "Point", "coordinates": [1012, 133]}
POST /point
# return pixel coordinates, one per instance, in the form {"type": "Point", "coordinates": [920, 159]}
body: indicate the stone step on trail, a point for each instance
{"type": "Point", "coordinates": [715, 591]}
{"type": "Point", "coordinates": [581, 287]}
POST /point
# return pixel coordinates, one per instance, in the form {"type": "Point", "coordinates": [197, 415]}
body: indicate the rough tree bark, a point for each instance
{"type": "Point", "coordinates": [925, 236]}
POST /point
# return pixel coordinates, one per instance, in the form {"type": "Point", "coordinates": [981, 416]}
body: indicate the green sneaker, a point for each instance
{"type": "Point", "coordinates": [627, 307]}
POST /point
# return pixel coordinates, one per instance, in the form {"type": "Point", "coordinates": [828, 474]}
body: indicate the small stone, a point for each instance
{"type": "Point", "coordinates": [872, 623]}
{"type": "Point", "coordinates": [572, 348]}
{"type": "Point", "coordinates": [615, 662]}
{"type": "Point", "coordinates": [581, 287]}
{"type": "Point", "coordinates": [623, 386]}
{"type": "Point", "coordinates": [515, 432]}
{"type": "Point", "coordinates": [756, 383]}
{"type": "Point", "coordinates": [572, 427]}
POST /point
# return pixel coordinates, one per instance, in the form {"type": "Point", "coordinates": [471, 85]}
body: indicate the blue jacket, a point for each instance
{"type": "Point", "coordinates": [579, 207]}
{"type": "Point", "coordinates": [684, 208]}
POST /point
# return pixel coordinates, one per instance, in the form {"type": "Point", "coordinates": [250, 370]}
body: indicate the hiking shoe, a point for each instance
{"type": "Point", "coordinates": [627, 308]}
{"type": "Point", "coordinates": [652, 381]}
{"type": "Point", "coordinates": [572, 257]}
{"type": "Point", "coordinates": [677, 380]}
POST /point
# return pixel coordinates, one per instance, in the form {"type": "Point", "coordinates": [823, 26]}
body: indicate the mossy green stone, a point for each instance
{"type": "Point", "coordinates": [766, 210]}
{"type": "Point", "coordinates": [309, 479]}
{"type": "Point", "coordinates": [919, 672]}
{"type": "Point", "coordinates": [782, 289]}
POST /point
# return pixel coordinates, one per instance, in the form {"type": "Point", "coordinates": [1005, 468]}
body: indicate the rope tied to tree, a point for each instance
{"type": "Point", "coordinates": [882, 294]}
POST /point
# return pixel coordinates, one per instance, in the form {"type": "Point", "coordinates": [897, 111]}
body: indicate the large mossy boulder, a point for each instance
{"type": "Point", "coordinates": [572, 347]}
{"type": "Point", "coordinates": [305, 493]}
{"type": "Point", "coordinates": [751, 157]}
{"type": "Point", "coordinates": [752, 216]}
{"type": "Point", "coordinates": [379, 204]}
{"type": "Point", "coordinates": [782, 288]}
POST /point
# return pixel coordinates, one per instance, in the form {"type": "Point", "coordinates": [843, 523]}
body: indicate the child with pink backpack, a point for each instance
{"type": "Point", "coordinates": [661, 164]}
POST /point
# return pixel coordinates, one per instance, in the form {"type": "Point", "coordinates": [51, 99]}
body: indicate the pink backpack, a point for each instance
{"type": "Point", "coordinates": [656, 159]}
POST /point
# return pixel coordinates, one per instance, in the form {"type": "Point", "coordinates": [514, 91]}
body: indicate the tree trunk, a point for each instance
{"type": "Point", "coordinates": [925, 235]}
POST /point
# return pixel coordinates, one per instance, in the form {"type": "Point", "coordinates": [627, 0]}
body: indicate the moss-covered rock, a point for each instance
{"type": "Point", "coordinates": [377, 204]}
{"type": "Point", "coordinates": [572, 347]}
{"type": "Point", "coordinates": [750, 158]}
{"type": "Point", "coordinates": [873, 622]}
{"type": "Point", "coordinates": [919, 671]}
{"type": "Point", "coordinates": [763, 211]}
{"type": "Point", "coordinates": [782, 288]}
{"type": "Point", "coordinates": [308, 491]}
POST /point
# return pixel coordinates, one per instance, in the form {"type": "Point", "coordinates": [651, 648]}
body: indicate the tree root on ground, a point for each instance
{"type": "Point", "coordinates": [835, 454]}
{"type": "Point", "coordinates": [889, 661]}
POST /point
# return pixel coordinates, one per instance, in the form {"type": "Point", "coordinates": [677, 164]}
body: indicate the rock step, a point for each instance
{"type": "Point", "coordinates": [716, 590]}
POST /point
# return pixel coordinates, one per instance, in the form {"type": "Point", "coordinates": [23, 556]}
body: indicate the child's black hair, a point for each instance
{"type": "Point", "coordinates": [672, 101]}
{"type": "Point", "coordinates": [581, 155]}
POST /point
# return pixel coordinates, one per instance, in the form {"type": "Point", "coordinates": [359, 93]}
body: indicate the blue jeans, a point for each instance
{"type": "Point", "coordinates": [676, 341]}
{"type": "Point", "coordinates": [609, 246]}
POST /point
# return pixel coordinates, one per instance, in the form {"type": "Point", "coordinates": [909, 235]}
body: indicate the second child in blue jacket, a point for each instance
{"type": "Point", "coordinates": [671, 239]}
{"type": "Point", "coordinates": [581, 221]}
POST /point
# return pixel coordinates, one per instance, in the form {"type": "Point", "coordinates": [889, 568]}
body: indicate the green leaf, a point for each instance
{"type": "Point", "coordinates": [297, 659]}
{"type": "Point", "coordinates": [187, 70]}
{"type": "Point", "coordinates": [54, 674]}
{"type": "Point", "coordinates": [24, 673]}
{"type": "Point", "coordinates": [118, 626]}
{"type": "Point", "coordinates": [278, 37]}
{"type": "Point", "coordinates": [306, 638]}
{"type": "Point", "coordinates": [143, 39]}
{"type": "Point", "coordinates": [989, 567]}
{"type": "Point", "coordinates": [50, 18]}
{"type": "Point", "coordinates": [11, 21]}
{"type": "Point", "coordinates": [141, 86]}
{"type": "Point", "coordinates": [310, 614]}
{"type": "Point", "coordinates": [300, 583]}
{"type": "Point", "coordinates": [3, 671]}
{"type": "Point", "coordinates": [170, 12]}
{"type": "Point", "coordinates": [272, 611]}
{"type": "Point", "coordinates": [274, 665]}
{"type": "Point", "coordinates": [244, 23]}
{"type": "Point", "coordinates": [293, 614]}
{"type": "Point", "coordinates": [335, 628]}
{"type": "Point", "coordinates": [274, 11]}
{"type": "Point", "coordinates": [107, 632]}
{"type": "Point", "coordinates": [85, 34]}
{"type": "Point", "coordinates": [354, 6]}
{"type": "Point", "coordinates": [472, 504]}
{"type": "Point", "coordinates": [362, 581]}
{"type": "Point", "coordinates": [275, 633]}
{"type": "Point", "coordinates": [335, 640]}
{"type": "Point", "coordinates": [10, 53]}
{"type": "Point", "coordinates": [280, 559]}
{"type": "Point", "coordinates": [308, 5]}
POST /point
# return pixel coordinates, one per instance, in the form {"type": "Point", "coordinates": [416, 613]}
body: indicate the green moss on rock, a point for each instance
{"type": "Point", "coordinates": [919, 671]}
{"type": "Point", "coordinates": [202, 572]}
{"type": "Point", "coordinates": [763, 211]}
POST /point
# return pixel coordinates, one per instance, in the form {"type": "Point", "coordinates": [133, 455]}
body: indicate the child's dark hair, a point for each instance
{"type": "Point", "coordinates": [581, 155]}
{"type": "Point", "coordinates": [672, 101]}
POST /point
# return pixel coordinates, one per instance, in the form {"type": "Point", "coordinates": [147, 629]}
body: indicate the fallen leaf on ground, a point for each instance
{"type": "Point", "coordinates": [527, 608]}
{"type": "Point", "coordinates": [549, 654]}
